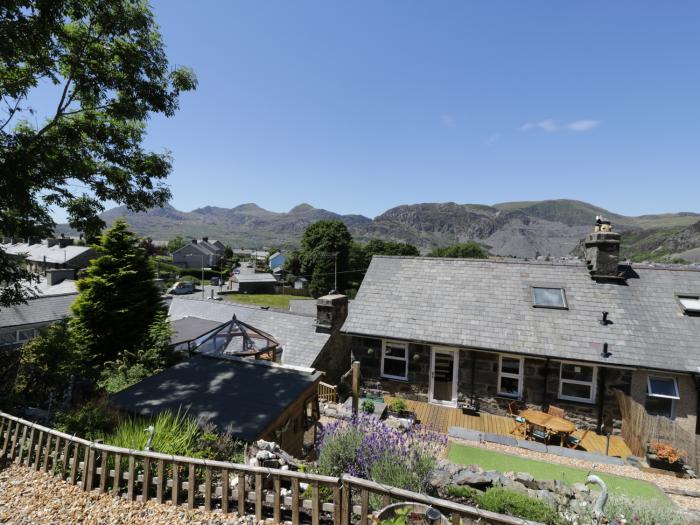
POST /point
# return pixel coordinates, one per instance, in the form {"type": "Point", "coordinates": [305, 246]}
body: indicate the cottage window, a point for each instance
{"type": "Point", "coordinates": [510, 376]}
{"type": "Point", "coordinates": [662, 393]}
{"type": "Point", "coordinates": [25, 335]}
{"type": "Point", "coordinates": [548, 297]}
{"type": "Point", "coordinates": [8, 338]}
{"type": "Point", "coordinates": [690, 303]}
{"type": "Point", "coordinates": [577, 382]}
{"type": "Point", "coordinates": [394, 360]}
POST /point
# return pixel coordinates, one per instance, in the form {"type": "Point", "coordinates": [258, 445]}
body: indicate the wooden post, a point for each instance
{"type": "Point", "coordinates": [37, 452]}
{"type": "Point", "coordinates": [346, 505]}
{"type": "Point", "coordinates": [74, 465]}
{"type": "Point", "coordinates": [161, 481]}
{"type": "Point", "coordinates": [175, 491]}
{"type": "Point", "coordinates": [191, 485]}
{"type": "Point", "coordinates": [146, 484]}
{"type": "Point", "coordinates": [336, 505]}
{"type": "Point", "coordinates": [64, 459]}
{"type": "Point", "coordinates": [295, 501]}
{"type": "Point", "coordinates": [11, 455]}
{"type": "Point", "coordinates": [56, 456]}
{"type": "Point", "coordinates": [104, 471]}
{"type": "Point", "coordinates": [258, 496]}
{"type": "Point", "coordinates": [5, 443]}
{"type": "Point", "coordinates": [131, 481]}
{"type": "Point", "coordinates": [315, 504]}
{"type": "Point", "coordinates": [277, 510]}
{"type": "Point", "coordinates": [364, 506]}
{"type": "Point", "coordinates": [241, 494]}
{"type": "Point", "coordinates": [89, 477]}
{"type": "Point", "coordinates": [224, 491]}
{"type": "Point", "coordinates": [117, 474]}
{"type": "Point", "coordinates": [47, 453]}
{"type": "Point", "coordinates": [207, 488]}
{"type": "Point", "coordinates": [355, 386]}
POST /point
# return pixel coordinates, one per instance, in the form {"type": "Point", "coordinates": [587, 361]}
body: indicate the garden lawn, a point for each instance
{"type": "Point", "coordinates": [272, 300]}
{"type": "Point", "coordinates": [489, 460]}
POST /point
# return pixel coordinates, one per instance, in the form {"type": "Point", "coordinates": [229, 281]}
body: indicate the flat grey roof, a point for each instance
{"type": "Point", "coordinates": [487, 304]}
{"type": "Point", "coordinates": [243, 397]}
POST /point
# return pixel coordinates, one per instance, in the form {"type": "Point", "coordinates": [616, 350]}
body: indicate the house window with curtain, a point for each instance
{"type": "Point", "coordinates": [662, 393]}
{"type": "Point", "coordinates": [394, 360]}
{"type": "Point", "coordinates": [510, 376]}
{"type": "Point", "coordinates": [577, 382]}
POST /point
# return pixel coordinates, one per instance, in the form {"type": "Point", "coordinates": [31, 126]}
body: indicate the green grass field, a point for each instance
{"type": "Point", "coordinates": [272, 300]}
{"type": "Point", "coordinates": [489, 460]}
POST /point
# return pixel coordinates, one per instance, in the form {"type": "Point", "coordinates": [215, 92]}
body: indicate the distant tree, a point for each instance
{"type": "Point", "coordinates": [467, 250]}
{"type": "Point", "coordinates": [146, 243]}
{"type": "Point", "coordinates": [292, 264]}
{"type": "Point", "coordinates": [228, 252]}
{"type": "Point", "coordinates": [176, 243]}
{"type": "Point", "coordinates": [118, 298]}
{"type": "Point", "coordinates": [107, 63]}
{"type": "Point", "coordinates": [324, 243]}
{"type": "Point", "coordinates": [83, 215]}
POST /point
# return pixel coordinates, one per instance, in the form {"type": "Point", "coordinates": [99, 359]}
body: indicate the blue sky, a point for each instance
{"type": "Point", "coordinates": [360, 106]}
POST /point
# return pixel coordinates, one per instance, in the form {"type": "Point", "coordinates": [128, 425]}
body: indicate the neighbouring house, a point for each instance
{"type": "Point", "coordinates": [301, 283]}
{"type": "Point", "coordinates": [251, 399]}
{"type": "Point", "coordinates": [255, 282]}
{"type": "Point", "coordinates": [443, 330]}
{"type": "Point", "coordinates": [196, 254]}
{"type": "Point", "coordinates": [259, 255]}
{"type": "Point", "coordinates": [309, 342]}
{"type": "Point", "coordinates": [42, 255]}
{"type": "Point", "coordinates": [276, 262]}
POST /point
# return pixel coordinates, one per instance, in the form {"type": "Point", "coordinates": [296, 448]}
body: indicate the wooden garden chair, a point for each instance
{"type": "Point", "coordinates": [520, 429]}
{"type": "Point", "coordinates": [572, 441]}
{"type": "Point", "coordinates": [556, 411]}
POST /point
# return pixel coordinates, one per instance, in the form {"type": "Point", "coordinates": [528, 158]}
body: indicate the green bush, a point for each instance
{"type": "Point", "coordinates": [368, 406]}
{"type": "Point", "coordinates": [640, 512]}
{"type": "Point", "coordinates": [340, 450]}
{"type": "Point", "coordinates": [91, 421]}
{"type": "Point", "coordinates": [175, 433]}
{"type": "Point", "coordinates": [463, 491]}
{"type": "Point", "coordinates": [222, 447]}
{"type": "Point", "coordinates": [506, 501]}
{"type": "Point", "coordinates": [398, 405]}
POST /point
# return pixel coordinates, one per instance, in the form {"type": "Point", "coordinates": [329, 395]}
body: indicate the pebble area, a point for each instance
{"type": "Point", "coordinates": [34, 498]}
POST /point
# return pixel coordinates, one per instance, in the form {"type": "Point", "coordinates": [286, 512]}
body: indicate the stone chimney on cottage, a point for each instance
{"type": "Point", "coordinates": [331, 311]}
{"type": "Point", "coordinates": [603, 250]}
{"type": "Point", "coordinates": [57, 276]}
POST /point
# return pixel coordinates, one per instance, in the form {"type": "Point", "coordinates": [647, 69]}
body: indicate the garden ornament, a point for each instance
{"type": "Point", "coordinates": [151, 430]}
{"type": "Point", "coordinates": [602, 499]}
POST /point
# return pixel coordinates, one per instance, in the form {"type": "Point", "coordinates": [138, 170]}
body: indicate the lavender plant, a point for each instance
{"type": "Point", "coordinates": [370, 449]}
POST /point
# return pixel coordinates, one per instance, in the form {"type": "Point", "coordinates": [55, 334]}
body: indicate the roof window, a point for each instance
{"type": "Point", "coordinates": [548, 297]}
{"type": "Point", "coordinates": [690, 303]}
{"type": "Point", "coordinates": [665, 387]}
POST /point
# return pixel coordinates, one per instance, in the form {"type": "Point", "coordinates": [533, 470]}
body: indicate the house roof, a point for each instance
{"type": "Point", "coordinates": [54, 254]}
{"type": "Point", "coordinates": [296, 334]}
{"type": "Point", "coordinates": [43, 289]}
{"type": "Point", "coordinates": [241, 396]}
{"type": "Point", "coordinates": [201, 249]}
{"type": "Point", "coordinates": [487, 304]}
{"type": "Point", "coordinates": [251, 277]}
{"type": "Point", "coordinates": [40, 310]}
{"type": "Point", "coordinates": [190, 328]}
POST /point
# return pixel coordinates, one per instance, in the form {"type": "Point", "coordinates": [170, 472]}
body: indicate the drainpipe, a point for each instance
{"type": "Point", "coordinates": [697, 404]}
{"type": "Point", "coordinates": [601, 399]}
{"type": "Point", "coordinates": [545, 394]}
{"type": "Point", "coordinates": [473, 370]}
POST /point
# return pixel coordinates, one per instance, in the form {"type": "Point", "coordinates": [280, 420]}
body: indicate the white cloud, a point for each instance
{"type": "Point", "coordinates": [547, 125]}
{"type": "Point", "coordinates": [583, 125]}
{"type": "Point", "coordinates": [448, 121]}
{"type": "Point", "coordinates": [495, 137]}
{"type": "Point", "coordinates": [550, 126]}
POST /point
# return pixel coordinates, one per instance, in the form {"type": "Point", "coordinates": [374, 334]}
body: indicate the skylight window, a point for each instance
{"type": "Point", "coordinates": [666, 387]}
{"type": "Point", "coordinates": [548, 297]}
{"type": "Point", "coordinates": [690, 303]}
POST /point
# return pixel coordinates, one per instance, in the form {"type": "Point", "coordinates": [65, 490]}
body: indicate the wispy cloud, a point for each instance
{"type": "Point", "coordinates": [551, 126]}
{"type": "Point", "coordinates": [447, 120]}
{"type": "Point", "coordinates": [583, 125]}
{"type": "Point", "coordinates": [495, 137]}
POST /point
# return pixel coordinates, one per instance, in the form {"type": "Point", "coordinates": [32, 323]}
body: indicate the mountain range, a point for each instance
{"type": "Point", "coordinates": [521, 229]}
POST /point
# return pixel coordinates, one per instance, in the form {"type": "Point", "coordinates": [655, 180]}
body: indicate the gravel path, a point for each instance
{"type": "Point", "coordinates": [28, 497]}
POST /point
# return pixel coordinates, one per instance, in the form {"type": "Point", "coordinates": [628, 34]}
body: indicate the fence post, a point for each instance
{"type": "Point", "coordinates": [355, 386]}
{"type": "Point", "coordinates": [346, 505]}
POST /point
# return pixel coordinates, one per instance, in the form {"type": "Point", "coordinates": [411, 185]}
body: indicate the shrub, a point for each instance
{"type": "Point", "coordinates": [91, 420]}
{"type": "Point", "coordinates": [175, 433]}
{"type": "Point", "coordinates": [398, 405]}
{"type": "Point", "coordinates": [620, 510]}
{"type": "Point", "coordinates": [370, 449]}
{"type": "Point", "coordinates": [368, 406]}
{"type": "Point", "coordinates": [221, 447]}
{"type": "Point", "coordinates": [506, 501]}
{"type": "Point", "coordinates": [463, 491]}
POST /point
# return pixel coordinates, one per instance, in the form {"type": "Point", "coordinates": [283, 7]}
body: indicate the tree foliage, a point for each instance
{"type": "Point", "coordinates": [176, 243]}
{"type": "Point", "coordinates": [467, 250]}
{"type": "Point", "coordinates": [118, 299]}
{"type": "Point", "coordinates": [324, 243]}
{"type": "Point", "coordinates": [106, 62]}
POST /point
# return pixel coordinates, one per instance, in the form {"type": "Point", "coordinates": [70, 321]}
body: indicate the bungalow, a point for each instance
{"type": "Point", "coordinates": [49, 253]}
{"type": "Point", "coordinates": [254, 282]}
{"type": "Point", "coordinates": [565, 333]}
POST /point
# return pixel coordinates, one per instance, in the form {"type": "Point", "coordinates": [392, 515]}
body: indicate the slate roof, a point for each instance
{"type": "Point", "coordinates": [487, 304]}
{"type": "Point", "coordinates": [191, 328]}
{"type": "Point", "coordinates": [251, 277]}
{"type": "Point", "coordinates": [243, 397]}
{"type": "Point", "coordinates": [54, 254]}
{"type": "Point", "coordinates": [296, 334]}
{"type": "Point", "coordinates": [40, 310]}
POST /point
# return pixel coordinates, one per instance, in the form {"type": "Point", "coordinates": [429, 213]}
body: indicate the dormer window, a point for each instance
{"type": "Point", "coordinates": [549, 298]}
{"type": "Point", "coordinates": [690, 304]}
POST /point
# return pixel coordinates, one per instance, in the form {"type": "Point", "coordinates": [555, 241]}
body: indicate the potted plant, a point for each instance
{"type": "Point", "coordinates": [367, 406]}
{"type": "Point", "coordinates": [398, 408]}
{"type": "Point", "coordinates": [665, 456]}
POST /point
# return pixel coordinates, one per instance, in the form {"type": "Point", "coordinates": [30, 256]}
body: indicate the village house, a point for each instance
{"type": "Point", "coordinates": [276, 262]}
{"type": "Point", "coordinates": [449, 330]}
{"type": "Point", "coordinates": [41, 255]}
{"type": "Point", "coordinates": [199, 253]}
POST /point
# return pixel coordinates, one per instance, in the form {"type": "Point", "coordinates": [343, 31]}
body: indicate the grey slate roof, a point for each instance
{"type": "Point", "coordinates": [39, 310]}
{"type": "Point", "coordinates": [54, 254]}
{"type": "Point", "coordinates": [254, 277]}
{"type": "Point", "coordinates": [296, 334]}
{"type": "Point", "coordinates": [191, 328]}
{"type": "Point", "coordinates": [486, 304]}
{"type": "Point", "coordinates": [243, 397]}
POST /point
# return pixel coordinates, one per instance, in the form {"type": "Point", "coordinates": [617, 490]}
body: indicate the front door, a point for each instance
{"type": "Point", "coordinates": [443, 375]}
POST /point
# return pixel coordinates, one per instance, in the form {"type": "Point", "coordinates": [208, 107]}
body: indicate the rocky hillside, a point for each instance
{"type": "Point", "coordinates": [523, 229]}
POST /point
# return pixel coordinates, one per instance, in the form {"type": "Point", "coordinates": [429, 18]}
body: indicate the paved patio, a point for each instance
{"type": "Point", "coordinates": [442, 418]}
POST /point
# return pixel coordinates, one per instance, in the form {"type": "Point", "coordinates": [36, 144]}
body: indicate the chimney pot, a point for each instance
{"type": "Point", "coordinates": [331, 311]}
{"type": "Point", "coordinates": [603, 250]}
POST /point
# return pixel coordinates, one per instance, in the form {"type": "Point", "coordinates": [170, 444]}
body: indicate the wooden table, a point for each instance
{"type": "Point", "coordinates": [557, 425]}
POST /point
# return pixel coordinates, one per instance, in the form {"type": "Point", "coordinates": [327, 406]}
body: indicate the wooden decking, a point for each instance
{"type": "Point", "coordinates": [441, 418]}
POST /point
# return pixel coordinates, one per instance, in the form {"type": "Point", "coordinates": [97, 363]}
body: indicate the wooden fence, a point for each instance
{"type": "Point", "coordinates": [639, 428]}
{"type": "Point", "coordinates": [282, 495]}
{"type": "Point", "coordinates": [327, 392]}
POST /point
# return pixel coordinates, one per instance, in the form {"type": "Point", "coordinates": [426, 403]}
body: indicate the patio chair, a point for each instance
{"type": "Point", "coordinates": [520, 428]}
{"type": "Point", "coordinates": [541, 433]}
{"type": "Point", "coordinates": [556, 411]}
{"type": "Point", "coordinates": [572, 441]}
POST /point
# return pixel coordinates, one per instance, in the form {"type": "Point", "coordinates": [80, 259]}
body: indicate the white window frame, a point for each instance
{"type": "Point", "coordinates": [592, 383]}
{"type": "Point", "coordinates": [17, 340]}
{"type": "Point", "coordinates": [561, 289]}
{"type": "Point", "coordinates": [688, 311]}
{"type": "Point", "coordinates": [672, 398]}
{"type": "Point", "coordinates": [519, 376]}
{"type": "Point", "coordinates": [405, 359]}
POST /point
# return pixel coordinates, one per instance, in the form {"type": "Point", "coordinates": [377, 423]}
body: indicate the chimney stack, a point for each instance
{"type": "Point", "coordinates": [63, 242]}
{"type": "Point", "coordinates": [603, 251]}
{"type": "Point", "coordinates": [194, 241]}
{"type": "Point", "coordinates": [205, 239]}
{"type": "Point", "coordinates": [331, 311]}
{"type": "Point", "coordinates": [57, 276]}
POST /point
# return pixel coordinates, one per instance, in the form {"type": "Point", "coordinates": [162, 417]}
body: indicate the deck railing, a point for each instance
{"type": "Point", "coordinates": [282, 495]}
{"type": "Point", "coordinates": [327, 392]}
